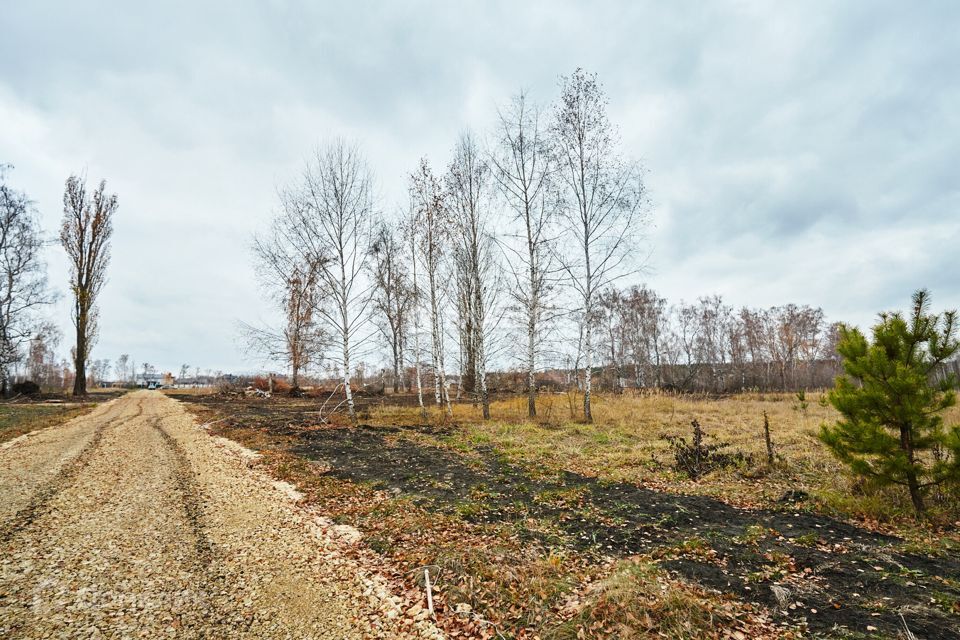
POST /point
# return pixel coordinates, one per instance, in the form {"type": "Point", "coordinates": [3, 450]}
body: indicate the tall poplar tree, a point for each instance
{"type": "Point", "coordinates": [85, 235]}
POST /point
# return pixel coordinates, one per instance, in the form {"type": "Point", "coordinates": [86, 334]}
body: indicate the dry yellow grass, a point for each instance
{"type": "Point", "coordinates": [627, 442]}
{"type": "Point", "coordinates": [521, 589]}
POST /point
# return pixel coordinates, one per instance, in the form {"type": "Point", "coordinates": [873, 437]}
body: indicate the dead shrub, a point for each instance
{"type": "Point", "coordinates": [696, 459]}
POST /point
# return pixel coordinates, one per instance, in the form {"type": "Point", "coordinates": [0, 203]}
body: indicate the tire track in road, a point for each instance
{"type": "Point", "coordinates": [189, 494]}
{"type": "Point", "coordinates": [209, 569]}
{"type": "Point", "coordinates": [65, 477]}
{"type": "Point", "coordinates": [139, 525]}
{"type": "Point", "coordinates": [128, 529]}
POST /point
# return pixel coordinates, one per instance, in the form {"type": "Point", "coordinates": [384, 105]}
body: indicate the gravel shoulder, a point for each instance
{"type": "Point", "coordinates": [132, 522]}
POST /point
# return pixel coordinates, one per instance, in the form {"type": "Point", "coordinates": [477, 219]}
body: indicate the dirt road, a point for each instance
{"type": "Point", "coordinates": [132, 522]}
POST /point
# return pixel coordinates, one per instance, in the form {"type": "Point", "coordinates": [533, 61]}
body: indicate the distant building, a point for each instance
{"type": "Point", "coordinates": [145, 380]}
{"type": "Point", "coordinates": [194, 382]}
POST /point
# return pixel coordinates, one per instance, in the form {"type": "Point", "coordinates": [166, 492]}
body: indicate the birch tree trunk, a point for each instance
{"type": "Point", "coordinates": [479, 322]}
{"type": "Point", "coordinates": [347, 390]}
{"type": "Point", "coordinates": [416, 341]}
{"type": "Point", "coordinates": [531, 367]}
{"type": "Point", "coordinates": [397, 381]}
{"type": "Point", "coordinates": [441, 390]}
{"type": "Point", "coordinates": [588, 362]}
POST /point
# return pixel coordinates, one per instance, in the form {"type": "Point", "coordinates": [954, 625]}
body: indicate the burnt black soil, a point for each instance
{"type": "Point", "coordinates": [841, 580]}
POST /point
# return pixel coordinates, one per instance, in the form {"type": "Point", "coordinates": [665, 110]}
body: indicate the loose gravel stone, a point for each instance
{"type": "Point", "coordinates": [131, 522]}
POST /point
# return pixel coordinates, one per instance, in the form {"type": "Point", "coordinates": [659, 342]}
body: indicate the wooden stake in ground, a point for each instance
{"type": "Point", "coordinates": [426, 581]}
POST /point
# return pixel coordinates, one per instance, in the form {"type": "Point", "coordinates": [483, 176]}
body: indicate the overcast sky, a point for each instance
{"type": "Point", "coordinates": [797, 152]}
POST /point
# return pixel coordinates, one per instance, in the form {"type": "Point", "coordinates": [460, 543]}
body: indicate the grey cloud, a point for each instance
{"type": "Point", "coordinates": [796, 152]}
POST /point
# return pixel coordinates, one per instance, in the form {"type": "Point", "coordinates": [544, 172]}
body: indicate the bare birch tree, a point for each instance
{"type": "Point", "coordinates": [468, 195]}
{"type": "Point", "coordinates": [23, 276]}
{"type": "Point", "coordinates": [432, 232]}
{"type": "Point", "coordinates": [85, 235]}
{"type": "Point", "coordinates": [523, 169]}
{"type": "Point", "coordinates": [466, 344]}
{"type": "Point", "coordinates": [603, 204]}
{"type": "Point", "coordinates": [334, 206]}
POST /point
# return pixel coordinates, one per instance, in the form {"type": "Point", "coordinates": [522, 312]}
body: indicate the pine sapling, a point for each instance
{"type": "Point", "coordinates": [891, 428]}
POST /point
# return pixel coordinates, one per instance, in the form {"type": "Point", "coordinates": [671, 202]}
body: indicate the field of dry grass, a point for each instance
{"type": "Point", "coordinates": [557, 529]}
{"type": "Point", "coordinates": [17, 419]}
{"type": "Point", "coordinates": [21, 415]}
{"type": "Point", "coordinates": [628, 442]}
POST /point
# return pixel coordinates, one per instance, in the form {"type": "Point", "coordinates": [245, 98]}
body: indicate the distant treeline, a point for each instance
{"type": "Point", "coordinates": [710, 346]}
{"type": "Point", "coordinates": [643, 342]}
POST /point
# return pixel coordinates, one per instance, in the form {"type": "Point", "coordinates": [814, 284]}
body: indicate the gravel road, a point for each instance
{"type": "Point", "coordinates": [132, 522]}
